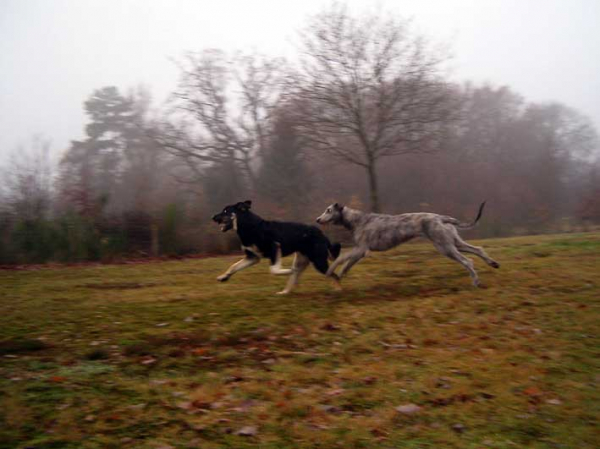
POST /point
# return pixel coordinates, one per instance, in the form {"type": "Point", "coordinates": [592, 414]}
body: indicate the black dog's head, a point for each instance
{"type": "Point", "coordinates": [333, 214]}
{"type": "Point", "coordinates": [227, 218]}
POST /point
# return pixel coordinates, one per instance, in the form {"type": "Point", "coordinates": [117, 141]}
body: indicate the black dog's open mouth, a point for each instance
{"type": "Point", "coordinates": [224, 224]}
{"type": "Point", "coordinates": [224, 221]}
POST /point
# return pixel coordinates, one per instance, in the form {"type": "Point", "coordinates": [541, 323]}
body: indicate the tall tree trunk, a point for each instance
{"type": "Point", "coordinates": [154, 245]}
{"type": "Point", "coordinates": [373, 189]}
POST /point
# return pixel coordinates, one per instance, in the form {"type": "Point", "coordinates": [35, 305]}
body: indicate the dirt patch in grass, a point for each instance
{"type": "Point", "coordinates": [120, 285]}
{"type": "Point", "coordinates": [22, 346]}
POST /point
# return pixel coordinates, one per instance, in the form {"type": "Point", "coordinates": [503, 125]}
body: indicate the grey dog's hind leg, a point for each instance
{"type": "Point", "coordinates": [452, 253]}
{"type": "Point", "coordinates": [464, 247]}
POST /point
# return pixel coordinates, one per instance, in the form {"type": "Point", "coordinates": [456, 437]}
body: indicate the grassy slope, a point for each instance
{"type": "Point", "coordinates": [161, 355]}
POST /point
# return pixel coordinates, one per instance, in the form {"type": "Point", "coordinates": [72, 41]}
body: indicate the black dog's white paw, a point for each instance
{"type": "Point", "coordinates": [223, 278]}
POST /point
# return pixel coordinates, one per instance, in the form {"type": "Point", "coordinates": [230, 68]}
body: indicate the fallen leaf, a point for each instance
{"type": "Point", "coordinates": [247, 431]}
{"type": "Point", "coordinates": [458, 428]}
{"type": "Point", "coordinates": [532, 391]}
{"type": "Point", "coordinates": [408, 409]}
{"type": "Point", "coordinates": [335, 392]}
{"type": "Point", "coordinates": [378, 433]}
{"type": "Point", "coordinates": [232, 379]}
{"type": "Point", "coordinates": [201, 404]}
{"type": "Point", "coordinates": [57, 379]}
{"type": "Point", "coordinates": [329, 409]}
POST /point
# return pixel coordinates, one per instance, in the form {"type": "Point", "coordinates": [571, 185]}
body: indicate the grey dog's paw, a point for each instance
{"type": "Point", "coordinates": [495, 264]}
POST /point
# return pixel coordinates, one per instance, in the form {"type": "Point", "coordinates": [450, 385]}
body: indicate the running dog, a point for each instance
{"type": "Point", "coordinates": [379, 232]}
{"type": "Point", "coordinates": [274, 239]}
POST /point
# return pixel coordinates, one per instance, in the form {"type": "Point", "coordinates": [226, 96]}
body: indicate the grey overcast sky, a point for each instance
{"type": "Point", "coordinates": [54, 53]}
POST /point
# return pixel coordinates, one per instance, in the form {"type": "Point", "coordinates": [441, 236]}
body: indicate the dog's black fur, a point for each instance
{"type": "Point", "coordinates": [266, 237]}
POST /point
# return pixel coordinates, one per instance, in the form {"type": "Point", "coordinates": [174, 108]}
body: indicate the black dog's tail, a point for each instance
{"type": "Point", "coordinates": [458, 224]}
{"type": "Point", "coordinates": [334, 250]}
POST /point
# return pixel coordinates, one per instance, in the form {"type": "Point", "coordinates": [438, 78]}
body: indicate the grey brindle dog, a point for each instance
{"type": "Point", "coordinates": [379, 232]}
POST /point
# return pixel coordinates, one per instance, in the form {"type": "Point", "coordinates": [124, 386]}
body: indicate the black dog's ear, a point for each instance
{"type": "Point", "coordinates": [244, 206]}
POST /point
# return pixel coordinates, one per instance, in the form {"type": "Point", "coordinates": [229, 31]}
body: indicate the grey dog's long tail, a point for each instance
{"type": "Point", "coordinates": [460, 225]}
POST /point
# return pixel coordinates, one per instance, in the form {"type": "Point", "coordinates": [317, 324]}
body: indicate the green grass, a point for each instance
{"type": "Point", "coordinates": [161, 355]}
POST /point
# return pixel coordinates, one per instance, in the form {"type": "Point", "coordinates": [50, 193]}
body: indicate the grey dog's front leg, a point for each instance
{"type": "Point", "coordinates": [349, 264]}
{"type": "Point", "coordinates": [351, 257]}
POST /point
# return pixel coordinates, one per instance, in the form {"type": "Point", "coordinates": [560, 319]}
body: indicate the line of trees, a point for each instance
{"type": "Point", "coordinates": [366, 117]}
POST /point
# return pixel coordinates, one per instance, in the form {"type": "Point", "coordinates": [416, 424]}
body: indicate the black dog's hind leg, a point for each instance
{"type": "Point", "coordinates": [318, 256]}
{"type": "Point", "coordinates": [275, 257]}
{"type": "Point", "coordinates": [299, 265]}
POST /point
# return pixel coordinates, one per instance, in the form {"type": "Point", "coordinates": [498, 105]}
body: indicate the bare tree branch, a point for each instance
{"type": "Point", "coordinates": [223, 109]}
{"type": "Point", "coordinates": [369, 88]}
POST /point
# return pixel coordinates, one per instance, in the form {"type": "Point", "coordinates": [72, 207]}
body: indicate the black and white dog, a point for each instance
{"type": "Point", "coordinates": [274, 240]}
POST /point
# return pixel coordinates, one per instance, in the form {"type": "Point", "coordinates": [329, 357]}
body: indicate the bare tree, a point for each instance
{"type": "Point", "coordinates": [223, 109]}
{"type": "Point", "coordinates": [370, 88]}
{"type": "Point", "coordinates": [28, 181]}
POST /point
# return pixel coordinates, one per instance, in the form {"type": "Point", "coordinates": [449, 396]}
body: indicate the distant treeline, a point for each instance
{"type": "Point", "coordinates": [366, 118]}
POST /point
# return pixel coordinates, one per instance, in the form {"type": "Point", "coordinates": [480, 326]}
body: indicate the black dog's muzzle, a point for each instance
{"type": "Point", "coordinates": [224, 220]}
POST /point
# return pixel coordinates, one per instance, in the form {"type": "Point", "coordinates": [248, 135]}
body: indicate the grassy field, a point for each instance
{"type": "Point", "coordinates": [409, 355]}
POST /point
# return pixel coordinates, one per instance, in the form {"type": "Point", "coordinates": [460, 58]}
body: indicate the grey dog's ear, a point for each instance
{"type": "Point", "coordinates": [338, 206]}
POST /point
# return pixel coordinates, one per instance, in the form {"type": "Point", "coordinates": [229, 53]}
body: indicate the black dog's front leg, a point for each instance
{"type": "Point", "coordinates": [248, 261]}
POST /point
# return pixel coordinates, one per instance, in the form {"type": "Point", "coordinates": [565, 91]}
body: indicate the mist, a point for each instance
{"type": "Point", "coordinates": [54, 54]}
{"type": "Point", "coordinates": [96, 96]}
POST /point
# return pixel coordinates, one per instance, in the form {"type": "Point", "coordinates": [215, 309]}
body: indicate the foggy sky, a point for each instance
{"type": "Point", "coordinates": [54, 53]}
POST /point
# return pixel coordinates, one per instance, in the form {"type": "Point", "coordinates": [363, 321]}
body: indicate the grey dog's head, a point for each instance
{"type": "Point", "coordinates": [333, 215]}
{"type": "Point", "coordinates": [227, 217]}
